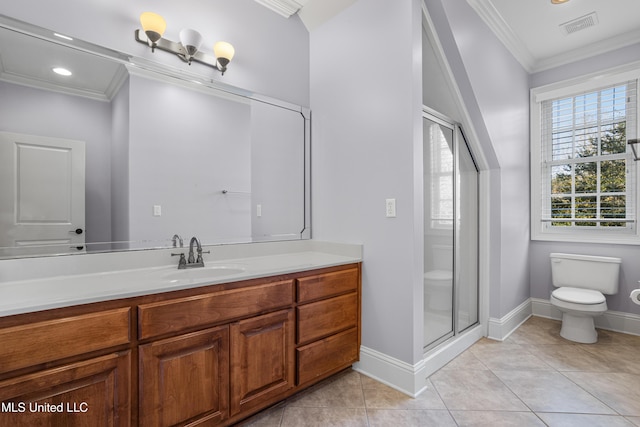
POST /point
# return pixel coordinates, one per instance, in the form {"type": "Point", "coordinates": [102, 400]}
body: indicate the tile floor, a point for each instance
{"type": "Point", "coordinates": [534, 378]}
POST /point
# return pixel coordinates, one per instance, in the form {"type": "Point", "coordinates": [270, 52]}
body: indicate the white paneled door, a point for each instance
{"type": "Point", "coordinates": [42, 195]}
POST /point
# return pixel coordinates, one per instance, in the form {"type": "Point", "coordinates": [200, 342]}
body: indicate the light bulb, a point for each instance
{"type": "Point", "coordinates": [191, 40]}
{"type": "Point", "coordinates": [224, 50]}
{"type": "Point", "coordinates": [153, 25]}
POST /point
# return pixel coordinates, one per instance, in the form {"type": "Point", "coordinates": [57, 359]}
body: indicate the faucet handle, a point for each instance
{"type": "Point", "coordinates": [182, 262]}
{"type": "Point", "coordinates": [200, 252]}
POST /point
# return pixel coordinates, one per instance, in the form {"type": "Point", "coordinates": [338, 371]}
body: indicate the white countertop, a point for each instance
{"type": "Point", "coordinates": [43, 293]}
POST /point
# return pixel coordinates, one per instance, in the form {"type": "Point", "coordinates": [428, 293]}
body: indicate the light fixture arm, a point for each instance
{"type": "Point", "coordinates": [179, 50]}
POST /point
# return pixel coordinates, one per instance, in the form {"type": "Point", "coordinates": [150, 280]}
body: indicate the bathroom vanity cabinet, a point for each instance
{"type": "Point", "coordinates": [206, 356]}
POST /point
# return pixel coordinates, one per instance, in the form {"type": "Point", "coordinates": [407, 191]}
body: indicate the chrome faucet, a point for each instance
{"type": "Point", "coordinates": [191, 261]}
{"type": "Point", "coordinates": [176, 238]}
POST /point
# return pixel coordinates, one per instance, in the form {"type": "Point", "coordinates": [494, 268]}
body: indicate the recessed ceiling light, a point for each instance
{"type": "Point", "coordinates": [62, 71]}
{"type": "Point", "coordinates": [559, 1]}
{"type": "Point", "coordinates": [62, 36]}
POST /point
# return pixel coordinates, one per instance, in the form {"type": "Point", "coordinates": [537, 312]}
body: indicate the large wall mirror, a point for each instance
{"type": "Point", "coordinates": [123, 154]}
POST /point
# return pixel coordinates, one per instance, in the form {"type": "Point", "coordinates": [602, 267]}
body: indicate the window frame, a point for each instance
{"type": "Point", "coordinates": [567, 88]}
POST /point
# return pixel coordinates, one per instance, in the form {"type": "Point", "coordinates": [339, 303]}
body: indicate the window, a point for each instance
{"type": "Point", "coordinates": [441, 176]}
{"type": "Point", "coordinates": [583, 170]}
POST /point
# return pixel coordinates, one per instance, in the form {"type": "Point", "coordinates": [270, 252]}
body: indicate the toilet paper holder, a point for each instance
{"type": "Point", "coordinates": [635, 296]}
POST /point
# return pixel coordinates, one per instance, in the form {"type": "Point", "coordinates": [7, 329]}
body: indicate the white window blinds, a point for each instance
{"type": "Point", "coordinates": [588, 175]}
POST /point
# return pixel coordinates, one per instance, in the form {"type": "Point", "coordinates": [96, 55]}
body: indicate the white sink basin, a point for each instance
{"type": "Point", "coordinates": [203, 273]}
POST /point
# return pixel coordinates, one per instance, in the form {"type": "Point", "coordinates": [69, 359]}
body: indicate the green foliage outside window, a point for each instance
{"type": "Point", "coordinates": [592, 189]}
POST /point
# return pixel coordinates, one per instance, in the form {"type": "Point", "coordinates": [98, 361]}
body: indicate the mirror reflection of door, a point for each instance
{"type": "Point", "coordinates": [42, 194]}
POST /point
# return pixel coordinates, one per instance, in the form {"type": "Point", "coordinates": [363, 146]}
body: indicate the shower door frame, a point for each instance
{"type": "Point", "coordinates": [458, 138]}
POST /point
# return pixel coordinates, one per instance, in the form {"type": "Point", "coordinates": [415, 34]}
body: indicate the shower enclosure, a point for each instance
{"type": "Point", "coordinates": [450, 231]}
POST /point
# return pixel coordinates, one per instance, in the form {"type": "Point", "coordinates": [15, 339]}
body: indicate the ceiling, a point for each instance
{"type": "Point", "coordinates": [29, 61]}
{"type": "Point", "coordinates": [532, 30]}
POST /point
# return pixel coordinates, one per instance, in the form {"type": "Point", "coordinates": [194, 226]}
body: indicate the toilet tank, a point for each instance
{"type": "Point", "coordinates": [586, 271]}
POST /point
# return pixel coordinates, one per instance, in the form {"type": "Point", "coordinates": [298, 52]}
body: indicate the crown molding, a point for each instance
{"type": "Point", "coordinates": [492, 18]}
{"type": "Point", "coordinates": [285, 8]}
{"type": "Point", "coordinates": [594, 49]}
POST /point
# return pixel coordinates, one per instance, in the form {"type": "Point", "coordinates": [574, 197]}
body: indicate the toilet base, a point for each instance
{"type": "Point", "coordinates": [578, 328]}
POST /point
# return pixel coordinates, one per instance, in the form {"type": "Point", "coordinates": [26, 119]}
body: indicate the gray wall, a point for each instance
{"type": "Point", "coordinates": [272, 57]}
{"type": "Point", "coordinates": [120, 107]}
{"type": "Point", "coordinates": [40, 112]}
{"type": "Point", "coordinates": [272, 53]}
{"type": "Point", "coordinates": [277, 172]}
{"type": "Point", "coordinates": [168, 125]}
{"type": "Point", "coordinates": [367, 142]}
{"type": "Point", "coordinates": [597, 63]}
{"type": "Point", "coordinates": [495, 85]}
{"type": "Point", "coordinates": [540, 276]}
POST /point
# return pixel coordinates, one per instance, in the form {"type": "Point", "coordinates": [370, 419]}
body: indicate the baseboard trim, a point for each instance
{"type": "Point", "coordinates": [412, 379]}
{"type": "Point", "coordinates": [404, 377]}
{"type": "Point", "coordinates": [449, 350]}
{"type": "Point", "coordinates": [617, 321]}
{"type": "Point", "coordinates": [500, 329]}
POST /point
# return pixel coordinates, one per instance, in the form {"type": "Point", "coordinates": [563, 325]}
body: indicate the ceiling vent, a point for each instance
{"type": "Point", "coordinates": [579, 24]}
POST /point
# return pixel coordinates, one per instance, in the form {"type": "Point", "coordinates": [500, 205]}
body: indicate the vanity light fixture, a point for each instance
{"type": "Point", "coordinates": [153, 27]}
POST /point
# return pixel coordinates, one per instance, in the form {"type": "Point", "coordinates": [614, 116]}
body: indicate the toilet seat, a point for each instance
{"type": "Point", "coordinates": [579, 296]}
{"type": "Point", "coordinates": [579, 300]}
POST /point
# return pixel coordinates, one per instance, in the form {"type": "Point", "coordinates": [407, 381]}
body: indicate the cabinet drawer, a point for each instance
{"type": "Point", "coordinates": [322, 318]}
{"type": "Point", "coordinates": [184, 313]}
{"type": "Point", "coordinates": [327, 284]}
{"type": "Point", "coordinates": [328, 355]}
{"type": "Point", "coordinates": [50, 340]}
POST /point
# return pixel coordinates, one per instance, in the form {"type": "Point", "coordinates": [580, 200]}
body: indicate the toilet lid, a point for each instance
{"type": "Point", "coordinates": [579, 296]}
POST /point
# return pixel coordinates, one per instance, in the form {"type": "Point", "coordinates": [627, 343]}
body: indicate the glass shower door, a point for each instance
{"type": "Point", "coordinates": [439, 188]}
{"type": "Point", "coordinates": [467, 230]}
{"type": "Point", "coordinates": [451, 232]}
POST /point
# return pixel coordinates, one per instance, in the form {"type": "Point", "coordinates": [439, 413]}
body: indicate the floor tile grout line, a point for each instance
{"type": "Point", "coordinates": [573, 382]}
{"type": "Point", "coordinates": [524, 347]}
{"type": "Point", "coordinates": [527, 345]}
{"type": "Point", "coordinates": [591, 394]}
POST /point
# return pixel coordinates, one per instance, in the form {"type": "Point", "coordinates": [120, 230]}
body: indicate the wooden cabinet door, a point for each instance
{"type": "Point", "coordinates": [94, 392]}
{"type": "Point", "coordinates": [185, 379]}
{"type": "Point", "coordinates": [262, 359]}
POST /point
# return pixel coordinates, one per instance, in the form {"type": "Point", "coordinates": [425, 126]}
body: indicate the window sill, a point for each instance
{"type": "Point", "coordinates": [586, 237]}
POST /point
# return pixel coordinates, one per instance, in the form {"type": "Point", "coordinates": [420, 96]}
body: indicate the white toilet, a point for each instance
{"type": "Point", "coordinates": [438, 290]}
{"type": "Point", "coordinates": [581, 281]}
